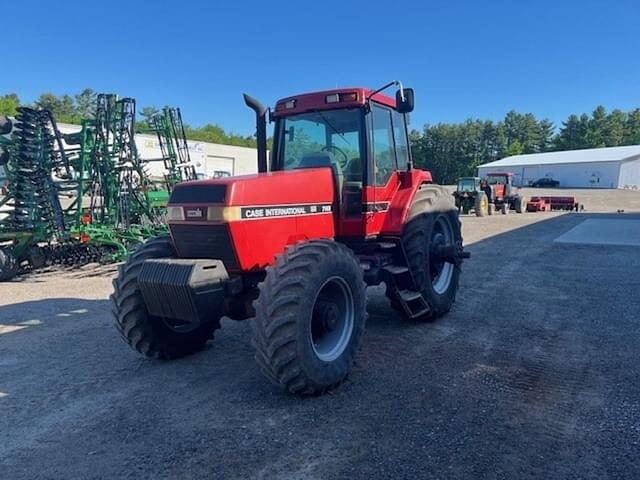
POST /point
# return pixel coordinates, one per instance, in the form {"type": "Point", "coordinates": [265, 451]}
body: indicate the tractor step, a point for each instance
{"type": "Point", "coordinates": [413, 303]}
{"type": "Point", "coordinates": [386, 245]}
{"type": "Point", "coordinates": [396, 269]}
{"type": "Point", "coordinates": [409, 295]}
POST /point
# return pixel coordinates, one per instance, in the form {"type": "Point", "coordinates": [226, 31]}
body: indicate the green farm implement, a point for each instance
{"type": "Point", "coordinates": [86, 196]}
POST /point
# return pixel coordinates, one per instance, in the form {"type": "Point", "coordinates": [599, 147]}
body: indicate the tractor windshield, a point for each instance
{"type": "Point", "coordinates": [468, 185]}
{"type": "Point", "coordinates": [323, 138]}
{"type": "Point", "coordinates": [497, 179]}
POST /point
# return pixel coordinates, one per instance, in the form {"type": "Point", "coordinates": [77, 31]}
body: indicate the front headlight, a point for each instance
{"type": "Point", "coordinates": [175, 213]}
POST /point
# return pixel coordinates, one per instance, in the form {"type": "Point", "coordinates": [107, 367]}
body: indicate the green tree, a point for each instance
{"type": "Point", "coordinates": [86, 103]}
{"type": "Point", "coordinates": [516, 148]}
{"type": "Point", "coordinates": [63, 108]}
{"type": "Point", "coordinates": [9, 104]}
{"type": "Point", "coordinates": [596, 133]}
{"type": "Point", "coordinates": [614, 128]}
{"type": "Point", "coordinates": [148, 112]}
{"type": "Point", "coordinates": [632, 128]}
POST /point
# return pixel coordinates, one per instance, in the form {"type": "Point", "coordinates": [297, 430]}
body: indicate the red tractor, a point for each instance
{"type": "Point", "coordinates": [339, 207]}
{"type": "Point", "coordinates": [504, 195]}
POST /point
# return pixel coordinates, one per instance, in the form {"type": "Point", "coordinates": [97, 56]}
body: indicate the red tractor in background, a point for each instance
{"type": "Point", "coordinates": [504, 195]}
{"type": "Point", "coordinates": [338, 207]}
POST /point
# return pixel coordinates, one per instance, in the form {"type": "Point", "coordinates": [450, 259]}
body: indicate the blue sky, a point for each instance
{"type": "Point", "coordinates": [463, 58]}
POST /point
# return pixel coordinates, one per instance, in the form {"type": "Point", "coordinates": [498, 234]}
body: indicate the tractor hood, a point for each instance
{"type": "Point", "coordinates": [247, 220]}
{"type": "Point", "coordinates": [292, 188]}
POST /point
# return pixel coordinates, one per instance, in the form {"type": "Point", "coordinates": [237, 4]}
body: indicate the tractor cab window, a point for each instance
{"type": "Point", "coordinates": [402, 144]}
{"type": "Point", "coordinates": [468, 185]}
{"type": "Point", "coordinates": [329, 138]}
{"type": "Point", "coordinates": [497, 180]}
{"type": "Point", "coordinates": [384, 153]}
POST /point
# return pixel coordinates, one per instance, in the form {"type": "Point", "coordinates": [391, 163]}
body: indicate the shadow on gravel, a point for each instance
{"type": "Point", "coordinates": [49, 311]}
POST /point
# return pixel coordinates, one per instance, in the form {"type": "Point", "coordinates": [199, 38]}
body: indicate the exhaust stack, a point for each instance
{"type": "Point", "coordinates": [261, 130]}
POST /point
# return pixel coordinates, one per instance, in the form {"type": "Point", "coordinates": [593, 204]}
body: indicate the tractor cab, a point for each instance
{"type": "Point", "coordinates": [468, 185]}
{"type": "Point", "coordinates": [501, 184]}
{"type": "Point", "coordinates": [362, 136]}
{"type": "Point", "coordinates": [505, 196]}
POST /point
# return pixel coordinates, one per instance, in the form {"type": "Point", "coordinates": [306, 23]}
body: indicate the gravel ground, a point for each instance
{"type": "Point", "coordinates": [533, 374]}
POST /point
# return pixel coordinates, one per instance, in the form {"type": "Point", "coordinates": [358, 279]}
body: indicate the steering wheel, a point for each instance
{"type": "Point", "coordinates": [339, 150]}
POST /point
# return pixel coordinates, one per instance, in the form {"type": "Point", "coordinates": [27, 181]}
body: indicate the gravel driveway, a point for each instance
{"type": "Point", "coordinates": [534, 374]}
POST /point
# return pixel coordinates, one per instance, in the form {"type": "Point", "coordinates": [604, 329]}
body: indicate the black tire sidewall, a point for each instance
{"type": "Point", "coordinates": [8, 265]}
{"type": "Point", "coordinates": [317, 370]}
{"type": "Point", "coordinates": [438, 303]}
{"type": "Point", "coordinates": [441, 303]}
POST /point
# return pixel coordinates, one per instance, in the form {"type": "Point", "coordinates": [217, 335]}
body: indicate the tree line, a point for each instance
{"type": "Point", "coordinates": [448, 150]}
{"type": "Point", "coordinates": [453, 150]}
{"type": "Point", "coordinates": [74, 108]}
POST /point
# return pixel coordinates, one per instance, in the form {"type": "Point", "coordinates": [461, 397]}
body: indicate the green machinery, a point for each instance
{"type": "Point", "coordinates": [37, 172]}
{"type": "Point", "coordinates": [115, 207]}
{"type": "Point", "coordinates": [470, 196]}
{"type": "Point", "coordinates": [85, 196]}
{"type": "Point", "coordinates": [172, 139]}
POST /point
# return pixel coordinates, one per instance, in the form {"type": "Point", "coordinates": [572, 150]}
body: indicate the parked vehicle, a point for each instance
{"type": "Point", "coordinates": [505, 196]}
{"type": "Point", "coordinates": [295, 245]}
{"type": "Point", "coordinates": [545, 182]}
{"type": "Point", "coordinates": [469, 196]}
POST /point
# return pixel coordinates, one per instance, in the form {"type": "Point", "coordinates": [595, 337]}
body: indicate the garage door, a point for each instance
{"type": "Point", "coordinates": [529, 174]}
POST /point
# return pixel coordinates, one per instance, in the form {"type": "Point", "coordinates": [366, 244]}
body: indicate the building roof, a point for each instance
{"type": "Point", "coordinates": [610, 154]}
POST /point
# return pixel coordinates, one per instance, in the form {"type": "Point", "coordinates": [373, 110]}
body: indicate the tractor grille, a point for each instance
{"type": "Point", "coordinates": [198, 194]}
{"type": "Point", "coordinates": [205, 241]}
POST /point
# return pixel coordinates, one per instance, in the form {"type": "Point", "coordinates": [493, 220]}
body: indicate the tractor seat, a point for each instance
{"type": "Point", "coordinates": [353, 171]}
{"type": "Point", "coordinates": [323, 159]}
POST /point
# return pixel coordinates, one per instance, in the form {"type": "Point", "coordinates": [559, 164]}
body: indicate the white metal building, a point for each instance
{"type": "Point", "coordinates": [210, 159]}
{"type": "Point", "coordinates": [613, 167]}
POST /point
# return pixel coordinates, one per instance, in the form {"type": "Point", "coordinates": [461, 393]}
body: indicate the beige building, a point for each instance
{"type": "Point", "coordinates": [209, 159]}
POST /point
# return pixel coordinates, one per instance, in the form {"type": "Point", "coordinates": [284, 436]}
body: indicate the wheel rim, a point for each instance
{"type": "Point", "coordinates": [332, 319]}
{"type": "Point", "coordinates": [440, 269]}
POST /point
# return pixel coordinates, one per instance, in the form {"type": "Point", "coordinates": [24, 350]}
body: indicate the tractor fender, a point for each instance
{"type": "Point", "coordinates": [430, 198]}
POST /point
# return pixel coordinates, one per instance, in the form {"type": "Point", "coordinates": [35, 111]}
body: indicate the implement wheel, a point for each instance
{"type": "Point", "coordinates": [152, 336]}
{"type": "Point", "coordinates": [37, 257]}
{"type": "Point", "coordinates": [8, 265]}
{"type": "Point", "coordinates": [310, 317]}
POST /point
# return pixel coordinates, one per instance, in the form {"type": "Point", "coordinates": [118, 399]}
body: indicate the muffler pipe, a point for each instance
{"type": "Point", "coordinates": [261, 130]}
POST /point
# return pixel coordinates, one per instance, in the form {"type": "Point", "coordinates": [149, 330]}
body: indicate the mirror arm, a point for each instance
{"type": "Point", "coordinates": [391, 83]}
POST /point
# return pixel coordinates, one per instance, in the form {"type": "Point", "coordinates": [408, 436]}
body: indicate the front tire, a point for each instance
{"type": "Point", "coordinates": [152, 336]}
{"type": "Point", "coordinates": [310, 317]}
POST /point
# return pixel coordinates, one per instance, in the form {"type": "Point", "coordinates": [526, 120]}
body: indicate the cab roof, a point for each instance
{"type": "Point", "coordinates": [350, 97]}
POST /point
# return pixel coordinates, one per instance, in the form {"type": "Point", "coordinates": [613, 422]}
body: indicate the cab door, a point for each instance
{"type": "Point", "coordinates": [388, 160]}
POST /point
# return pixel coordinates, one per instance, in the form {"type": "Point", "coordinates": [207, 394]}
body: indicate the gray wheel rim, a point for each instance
{"type": "Point", "coordinates": [441, 271]}
{"type": "Point", "coordinates": [332, 319]}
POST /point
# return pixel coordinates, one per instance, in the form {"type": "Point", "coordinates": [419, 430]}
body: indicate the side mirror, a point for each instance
{"type": "Point", "coordinates": [405, 105]}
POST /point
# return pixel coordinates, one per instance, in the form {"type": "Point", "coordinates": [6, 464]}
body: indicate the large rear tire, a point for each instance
{"type": "Point", "coordinates": [152, 336]}
{"type": "Point", "coordinates": [310, 317]}
{"type": "Point", "coordinates": [481, 204]}
{"type": "Point", "coordinates": [433, 221]}
{"type": "Point", "coordinates": [520, 205]}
